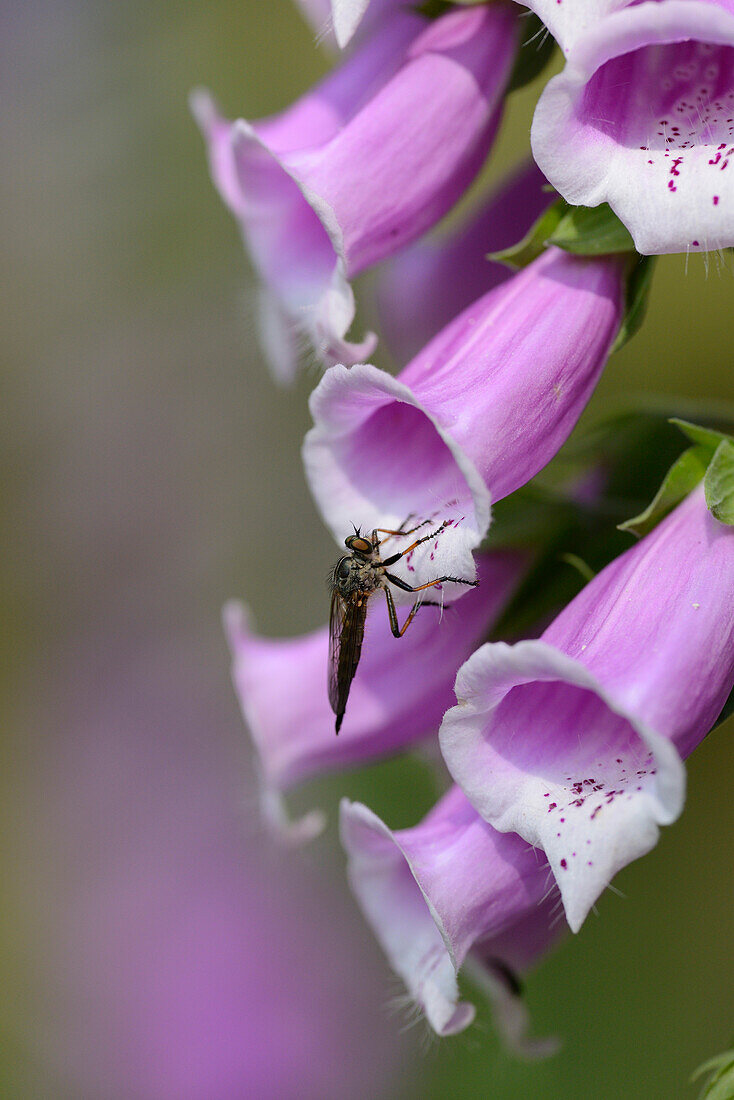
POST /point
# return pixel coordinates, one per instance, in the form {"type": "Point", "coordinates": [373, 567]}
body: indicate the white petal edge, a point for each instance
{"type": "Point", "coordinates": [409, 950]}
{"type": "Point", "coordinates": [237, 621]}
{"type": "Point", "coordinates": [346, 16]}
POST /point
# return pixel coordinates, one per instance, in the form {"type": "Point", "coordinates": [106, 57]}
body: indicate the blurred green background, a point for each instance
{"type": "Point", "coordinates": [151, 470]}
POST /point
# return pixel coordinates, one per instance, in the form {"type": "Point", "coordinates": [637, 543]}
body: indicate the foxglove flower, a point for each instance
{"type": "Point", "coordinates": [424, 287]}
{"type": "Point", "coordinates": [447, 887]}
{"type": "Point", "coordinates": [399, 695]}
{"type": "Point", "coordinates": [360, 167]}
{"type": "Point", "coordinates": [642, 117]}
{"type": "Point", "coordinates": [482, 408]}
{"type": "Point", "coordinates": [575, 740]}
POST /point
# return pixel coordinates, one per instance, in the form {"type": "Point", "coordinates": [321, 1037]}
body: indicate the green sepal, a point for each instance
{"type": "Point", "coordinates": [535, 241]}
{"type": "Point", "coordinates": [720, 1085]}
{"type": "Point", "coordinates": [582, 231]}
{"type": "Point", "coordinates": [639, 282]}
{"type": "Point", "coordinates": [592, 231]}
{"type": "Point", "coordinates": [682, 477]}
{"type": "Point", "coordinates": [707, 437]}
{"type": "Point", "coordinates": [719, 483]}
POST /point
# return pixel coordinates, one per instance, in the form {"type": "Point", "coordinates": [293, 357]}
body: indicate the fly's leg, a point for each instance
{"type": "Point", "coordinates": [400, 531]}
{"type": "Point", "coordinates": [429, 584]}
{"type": "Point", "coordinates": [397, 630]}
{"type": "Point", "coordinates": [425, 538]}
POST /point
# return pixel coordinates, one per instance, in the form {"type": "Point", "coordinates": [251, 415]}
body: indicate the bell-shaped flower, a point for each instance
{"type": "Point", "coordinates": [474, 416]}
{"type": "Point", "coordinates": [426, 285]}
{"type": "Point", "coordinates": [449, 890]}
{"type": "Point", "coordinates": [642, 118]}
{"type": "Point", "coordinates": [575, 741]}
{"type": "Point", "coordinates": [400, 693]}
{"type": "Point", "coordinates": [359, 167]}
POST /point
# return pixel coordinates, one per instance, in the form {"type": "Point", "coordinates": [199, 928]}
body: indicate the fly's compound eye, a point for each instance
{"type": "Point", "coordinates": [358, 544]}
{"type": "Point", "coordinates": [343, 570]}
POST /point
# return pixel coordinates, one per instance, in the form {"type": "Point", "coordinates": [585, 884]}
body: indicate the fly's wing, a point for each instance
{"type": "Point", "coordinates": [346, 631]}
{"type": "Point", "coordinates": [337, 615]}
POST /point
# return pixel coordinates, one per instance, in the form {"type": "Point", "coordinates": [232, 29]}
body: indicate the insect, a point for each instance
{"type": "Point", "coordinates": [354, 578]}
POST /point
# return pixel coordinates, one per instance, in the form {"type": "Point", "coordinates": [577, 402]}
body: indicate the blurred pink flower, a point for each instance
{"type": "Point", "coordinates": [188, 958]}
{"type": "Point", "coordinates": [359, 167]}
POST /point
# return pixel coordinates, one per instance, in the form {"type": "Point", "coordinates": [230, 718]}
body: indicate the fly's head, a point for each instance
{"type": "Point", "coordinates": [355, 571]}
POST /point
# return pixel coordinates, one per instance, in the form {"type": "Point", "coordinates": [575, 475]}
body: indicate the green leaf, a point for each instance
{"type": "Point", "coordinates": [535, 240]}
{"type": "Point", "coordinates": [720, 1085]}
{"type": "Point", "coordinates": [639, 282]}
{"type": "Point", "coordinates": [719, 483]}
{"type": "Point", "coordinates": [592, 231]}
{"type": "Point", "coordinates": [536, 50]}
{"type": "Point", "coordinates": [683, 476]}
{"type": "Point", "coordinates": [707, 437]}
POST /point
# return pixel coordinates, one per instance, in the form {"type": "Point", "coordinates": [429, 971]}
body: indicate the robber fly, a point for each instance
{"type": "Point", "coordinates": [354, 578]}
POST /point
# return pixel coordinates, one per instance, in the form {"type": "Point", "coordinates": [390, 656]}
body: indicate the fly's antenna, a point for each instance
{"type": "Point", "coordinates": [357, 531]}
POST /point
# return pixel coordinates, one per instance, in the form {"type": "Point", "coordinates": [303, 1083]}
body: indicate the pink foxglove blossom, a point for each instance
{"type": "Point", "coordinates": [424, 287]}
{"type": "Point", "coordinates": [401, 691]}
{"type": "Point", "coordinates": [642, 117]}
{"type": "Point", "coordinates": [575, 741]}
{"type": "Point", "coordinates": [482, 408]}
{"type": "Point", "coordinates": [450, 890]}
{"type": "Point", "coordinates": [359, 167]}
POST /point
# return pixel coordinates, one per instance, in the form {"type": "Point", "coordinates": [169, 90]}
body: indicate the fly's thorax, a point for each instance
{"type": "Point", "coordinates": [356, 573]}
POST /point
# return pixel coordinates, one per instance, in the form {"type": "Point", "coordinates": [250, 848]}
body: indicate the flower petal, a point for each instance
{"type": "Point", "coordinates": [293, 241]}
{"type": "Point", "coordinates": [575, 741]}
{"type": "Point", "coordinates": [642, 117]}
{"type": "Point", "coordinates": [431, 893]}
{"type": "Point", "coordinates": [427, 285]}
{"type": "Point", "coordinates": [401, 162]}
{"type": "Point", "coordinates": [347, 15]}
{"type": "Point", "coordinates": [375, 457]}
{"type": "Point", "coordinates": [542, 748]}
